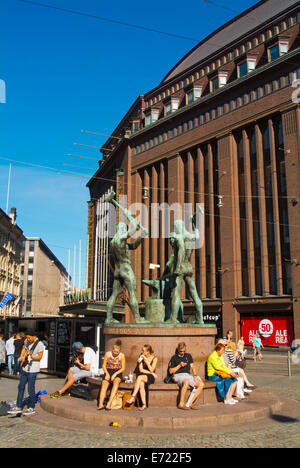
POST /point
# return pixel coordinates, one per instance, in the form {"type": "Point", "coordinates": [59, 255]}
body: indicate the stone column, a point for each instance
{"type": "Point", "coordinates": [211, 223]}
{"type": "Point", "coordinates": [249, 215]}
{"type": "Point", "coordinates": [262, 212]}
{"type": "Point", "coordinates": [275, 209]}
{"type": "Point", "coordinates": [291, 135]}
{"type": "Point", "coordinates": [230, 242]}
{"type": "Point", "coordinates": [200, 196]}
{"type": "Point", "coordinates": [154, 221]}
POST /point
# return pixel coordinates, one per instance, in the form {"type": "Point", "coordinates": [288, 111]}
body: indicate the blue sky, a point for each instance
{"type": "Point", "coordinates": [65, 73]}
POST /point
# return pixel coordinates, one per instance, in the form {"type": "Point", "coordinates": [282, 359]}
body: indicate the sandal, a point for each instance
{"type": "Point", "coordinates": [142, 408]}
{"type": "Point", "coordinates": [100, 409]}
{"type": "Point", "coordinates": [129, 402]}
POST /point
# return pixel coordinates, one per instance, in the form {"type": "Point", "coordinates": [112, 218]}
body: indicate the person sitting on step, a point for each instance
{"type": "Point", "coordinates": [182, 369]}
{"type": "Point", "coordinates": [145, 376]}
{"type": "Point", "coordinates": [114, 364]}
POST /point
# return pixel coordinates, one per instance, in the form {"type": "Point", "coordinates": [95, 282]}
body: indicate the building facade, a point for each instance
{"type": "Point", "coordinates": [45, 280]}
{"type": "Point", "coordinates": [222, 130]}
{"type": "Point", "coordinates": [11, 242]}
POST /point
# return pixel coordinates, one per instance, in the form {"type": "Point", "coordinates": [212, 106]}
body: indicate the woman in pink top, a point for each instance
{"type": "Point", "coordinates": [113, 365]}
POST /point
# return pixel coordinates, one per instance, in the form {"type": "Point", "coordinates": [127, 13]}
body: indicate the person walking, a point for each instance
{"type": "Point", "coordinates": [10, 351]}
{"type": "Point", "coordinates": [32, 354]}
{"type": "Point", "coordinates": [18, 344]}
{"type": "Point", "coordinates": [257, 347]}
{"type": "Point", "coordinates": [2, 353]}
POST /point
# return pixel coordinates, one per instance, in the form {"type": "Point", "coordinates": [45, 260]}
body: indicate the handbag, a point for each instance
{"type": "Point", "coordinates": [223, 374]}
{"type": "Point", "coordinates": [117, 402]}
{"type": "Point", "coordinates": [168, 379]}
{"type": "Point", "coordinates": [125, 398]}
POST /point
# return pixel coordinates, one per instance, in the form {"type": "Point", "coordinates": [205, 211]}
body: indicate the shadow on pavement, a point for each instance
{"type": "Point", "coordinates": [283, 419]}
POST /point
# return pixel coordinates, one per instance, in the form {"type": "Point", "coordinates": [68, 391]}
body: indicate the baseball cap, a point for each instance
{"type": "Point", "coordinates": [30, 332]}
{"type": "Point", "coordinates": [77, 345]}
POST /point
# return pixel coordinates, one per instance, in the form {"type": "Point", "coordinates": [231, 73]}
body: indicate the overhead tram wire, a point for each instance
{"type": "Point", "coordinates": [94, 147]}
{"type": "Point", "coordinates": [101, 134]}
{"type": "Point", "coordinates": [88, 15]}
{"type": "Point", "coordinates": [81, 167]}
{"type": "Point", "coordinates": [144, 28]}
{"type": "Point", "coordinates": [109, 20]}
{"type": "Point", "coordinates": [84, 157]}
{"type": "Point", "coordinates": [84, 176]}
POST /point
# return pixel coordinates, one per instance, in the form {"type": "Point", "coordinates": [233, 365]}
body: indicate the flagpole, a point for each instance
{"type": "Point", "coordinates": [8, 188]}
{"type": "Point", "coordinates": [79, 271]}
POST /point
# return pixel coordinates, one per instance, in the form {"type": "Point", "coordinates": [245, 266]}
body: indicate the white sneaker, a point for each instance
{"type": "Point", "coordinates": [246, 390]}
{"type": "Point", "coordinates": [29, 412]}
{"type": "Point", "coordinates": [230, 402]}
{"type": "Point", "coordinates": [15, 410]}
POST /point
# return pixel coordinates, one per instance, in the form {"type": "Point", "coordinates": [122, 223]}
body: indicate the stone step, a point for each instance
{"type": "Point", "coordinates": [82, 414]}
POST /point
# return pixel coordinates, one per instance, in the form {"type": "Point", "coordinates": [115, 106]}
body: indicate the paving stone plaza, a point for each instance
{"type": "Point", "coordinates": [282, 430]}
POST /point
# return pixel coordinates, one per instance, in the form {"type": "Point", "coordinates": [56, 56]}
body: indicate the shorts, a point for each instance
{"type": "Point", "coordinates": [79, 374]}
{"type": "Point", "coordinates": [179, 378]}
{"type": "Point", "coordinates": [111, 372]}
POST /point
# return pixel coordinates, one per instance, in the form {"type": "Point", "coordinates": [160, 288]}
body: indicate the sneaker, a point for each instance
{"type": "Point", "coordinates": [246, 390]}
{"type": "Point", "coordinates": [230, 402]}
{"type": "Point", "coordinates": [15, 410]}
{"type": "Point", "coordinates": [29, 412]}
{"type": "Point", "coordinates": [56, 395]}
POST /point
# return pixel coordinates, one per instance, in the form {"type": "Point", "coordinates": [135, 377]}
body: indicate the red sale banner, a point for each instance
{"type": "Point", "coordinates": [274, 331]}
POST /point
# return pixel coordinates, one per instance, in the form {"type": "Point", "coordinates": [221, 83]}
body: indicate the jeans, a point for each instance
{"type": "Point", "coordinates": [27, 378]}
{"type": "Point", "coordinates": [223, 385]}
{"type": "Point", "coordinates": [10, 360]}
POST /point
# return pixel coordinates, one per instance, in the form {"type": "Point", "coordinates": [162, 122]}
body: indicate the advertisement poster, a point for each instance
{"type": "Point", "coordinates": [274, 331]}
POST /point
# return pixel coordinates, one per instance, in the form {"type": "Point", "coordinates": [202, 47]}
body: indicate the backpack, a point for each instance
{"type": "Point", "coordinates": [81, 391]}
{"type": "Point", "coordinates": [4, 408]}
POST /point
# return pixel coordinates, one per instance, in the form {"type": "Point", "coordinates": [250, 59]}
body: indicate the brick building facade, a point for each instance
{"type": "Point", "coordinates": [222, 129]}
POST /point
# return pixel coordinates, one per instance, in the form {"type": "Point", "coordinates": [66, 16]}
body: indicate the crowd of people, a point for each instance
{"type": "Point", "coordinates": [225, 366]}
{"type": "Point", "coordinates": [10, 352]}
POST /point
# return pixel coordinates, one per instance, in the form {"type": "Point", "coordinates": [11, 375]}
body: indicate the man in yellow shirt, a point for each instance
{"type": "Point", "coordinates": [225, 386]}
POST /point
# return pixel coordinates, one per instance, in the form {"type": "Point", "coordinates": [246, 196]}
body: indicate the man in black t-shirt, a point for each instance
{"type": "Point", "coordinates": [182, 369]}
{"type": "Point", "coordinates": [18, 344]}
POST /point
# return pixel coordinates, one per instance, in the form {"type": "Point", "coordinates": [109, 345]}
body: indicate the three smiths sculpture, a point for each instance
{"type": "Point", "coordinates": [123, 272]}
{"type": "Point", "coordinates": [180, 267]}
